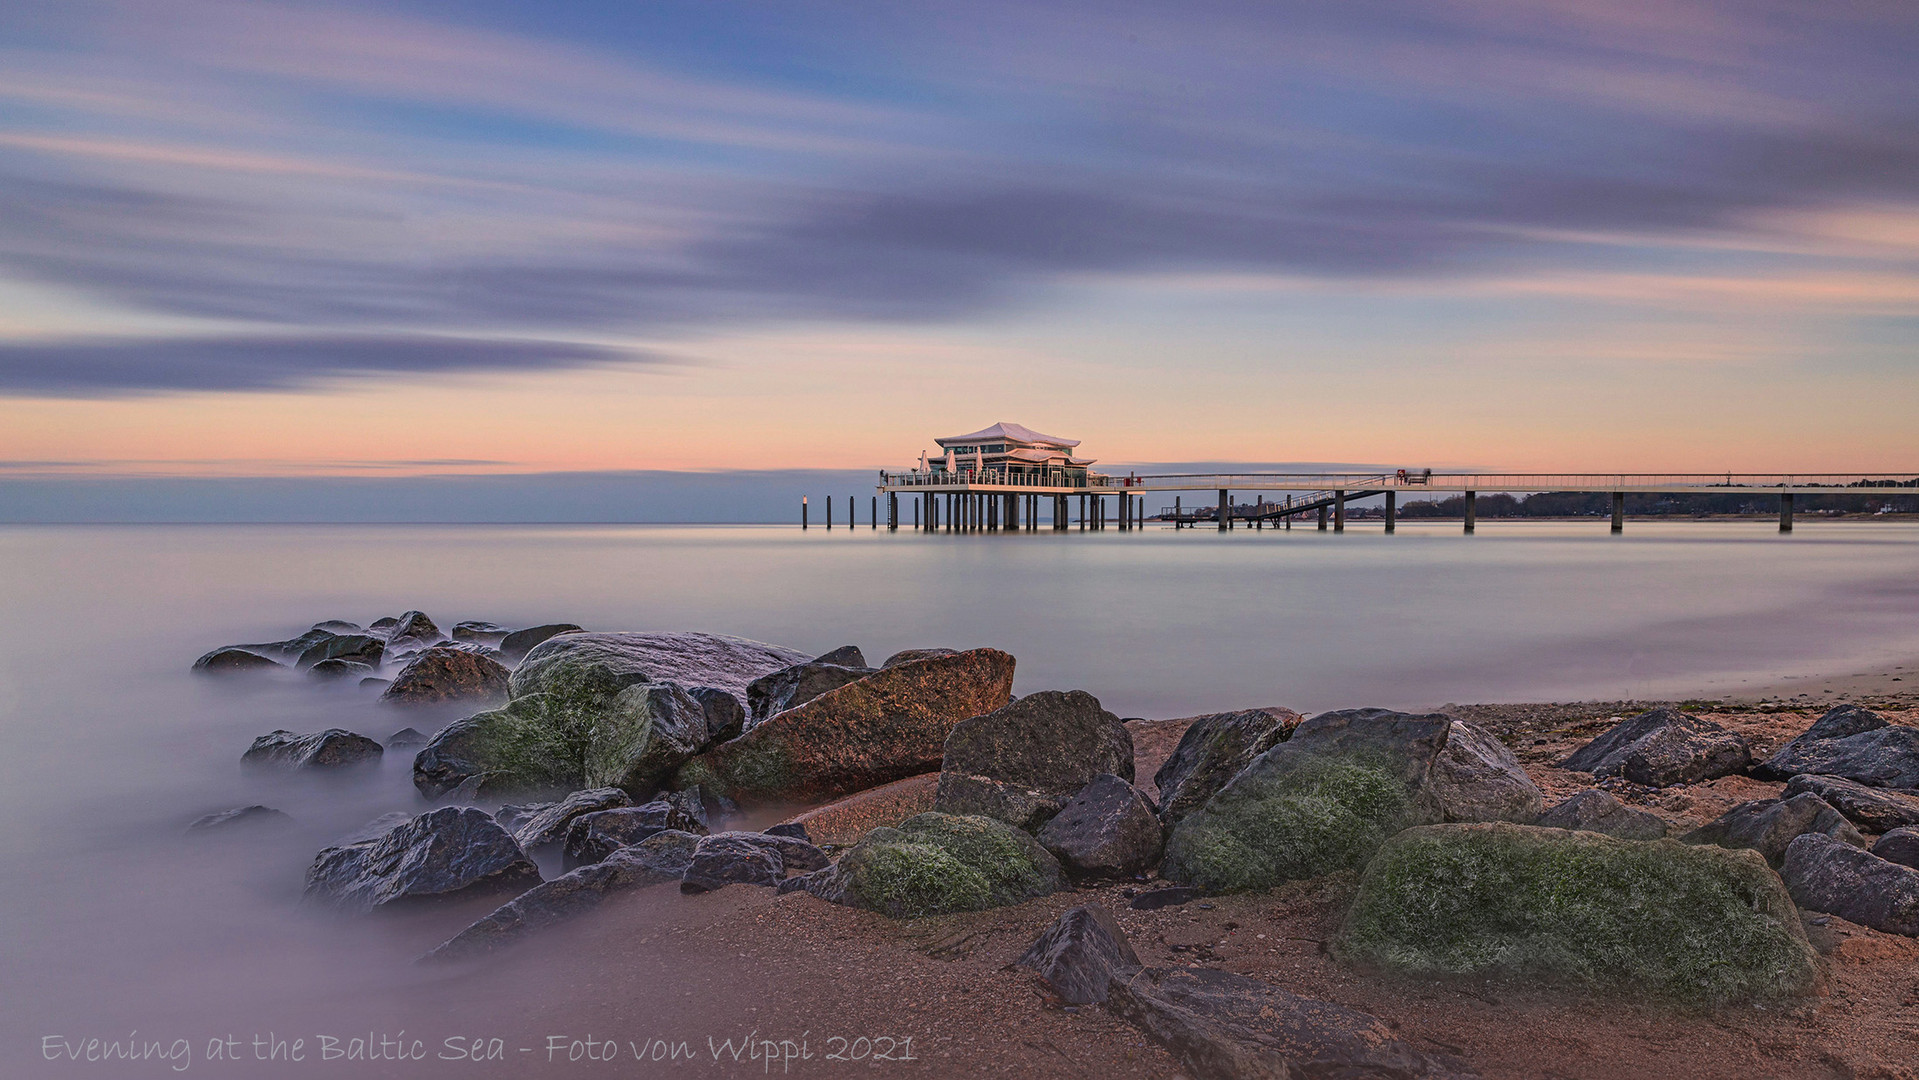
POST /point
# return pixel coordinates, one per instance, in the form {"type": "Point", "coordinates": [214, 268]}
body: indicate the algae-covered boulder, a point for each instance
{"type": "Point", "coordinates": [1024, 762]}
{"type": "Point", "coordinates": [601, 665]}
{"type": "Point", "coordinates": [1324, 800]}
{"type": "Point", "coordinates": [887, 726]}
{"type": "Point", "coordinates": [936, 864]}
{"type": "Point", "coordinates": [1211, 751]}
{"type": "Point", "coordinates": [1691, 924]}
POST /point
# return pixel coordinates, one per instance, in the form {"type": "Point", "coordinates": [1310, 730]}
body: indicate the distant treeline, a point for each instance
{"type": "Point", "coordinates": [1599, 504]}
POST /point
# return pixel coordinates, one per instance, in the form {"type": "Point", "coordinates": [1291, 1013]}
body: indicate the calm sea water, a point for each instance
{"type": "Point", "coordinates": [111, 919]}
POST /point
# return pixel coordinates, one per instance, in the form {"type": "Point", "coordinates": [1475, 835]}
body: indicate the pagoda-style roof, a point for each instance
{"type": "Point", "coordinates": [1041, 457]}
{"type": "Point", "coordinates": [1010, 433]}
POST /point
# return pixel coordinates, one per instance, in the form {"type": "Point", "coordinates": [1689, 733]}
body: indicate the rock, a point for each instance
{"type": "Point", "coordinates": [584, 668]}
{"type": "Point", "coordinates": [231, 659]}
{"type": "Point", "coordinates": [460, 752]}
{"type": "Point", "coordinates": [594, 836]}
{"type": "Point", "coordinates": [383, 627]}
{"type": "Point", "coordinates": [1022, 763]}
{"type": "Point", "coordinates": [1212, 751]}
{"type": "Point", "coordinates": [549, 823]}
{"type": "Point", "coordinates": [1834, 877]}
{"type": "Point", "coordinates": [415, 624]}
{"type": "Point", "coordinates": [1768, 825]}
{"type": "Point", "coordinates": [240, 815]}
{"type": "Point", "coordinates": [844, 656]}
{"type": "Point", "coordinates": [510, 817]}
{"type": "Point", "coordinates": [888, 726]}
{"type": "Point", "coordinates": [339, 626]}
{"type": "Point", "coordinates": [1597, 811]}
{"type": "Point", "coordinates": [1900, 845]}
{"type": "Point", "coordinates": [908, 656]}
{"type": "Point", "coordinates": [1663, 747]}
{"type": "Point", "coordinates": [520, 642]}
{"type": "Point", "coordinates": [1080, 954]}
{"type": "Point", "coordinates": [1689, 923]}
{"type": "Point", "coordinates": [1321, 801]}
{"type": "Point", "coordinates": [843, 821]}
{"type": "Point", "coordinates": [796, 855]}
{"type": "Point", "coordinates": [937, 864]}
{"type": "Point", "coordinates": [455, 850]}
{"type": "Point", "coordinates": [1229, 1027]}
{"type": "Point", "coordinates": [1870, 808]}
{"type": "Point", "coordinates": [361, 648]}
{"type": "Point", "coordinates": [318, 750]}
{"type": "Point", "coordinates": [483, 633]}
{"type": "Point", "coordinates": [1476, 778]}
{"type": "Point", "coordinates": [440, 675]}
{"type": "Point", "coordinates": [1108, 830]}
{"type": "Point", "coordinates": [731, 859]}
{"type": "Point", "coordinates": [659, 859]}
{"type": "Point", "coordinates": [331, 670]}
{"type": "Point", "coordinates": [1854, 744]}
{"type": "Point", "coordinates": [372, 683]}
{"type": "Point", "coordinates": [1170, 896]}
{"type": "Point", "coordinates": [725, 716]}
{"type": "Point", "coordinates": [406, 736]}
{"type": "Point", "coordinates": [790, 828]}
{"type": "Point", "coordinates": [797, 685]}
{"type": "Point", "coordinates": [698, 807]}
{"type": "Point", "coordinates": [652, 731]}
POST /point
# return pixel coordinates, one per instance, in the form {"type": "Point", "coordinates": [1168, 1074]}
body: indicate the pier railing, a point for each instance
{"type": "Point", "coordinates": [1324, 484]}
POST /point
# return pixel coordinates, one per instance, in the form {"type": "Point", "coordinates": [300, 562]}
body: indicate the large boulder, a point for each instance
{"type": "Point", "coordinates": [937, 864]}
{"type": "Point", "coordinates": [549, 824]}
{"type": "Point", "coordinates": [1022, 763]}
{"type": "Point", "coordinates": [1768, 825]}
{"type": "Point", "coordinates": [1597, 811]}
{"type": "Point", "coordinates": [1837, 878]}
{"type": "Point", "coordinates": [452, 851]}
{"type": "Point", "coordinates": [907, 656]}
{"type": "Point", "coordinates": [596, 667]}
{"type": "Point", "coordinates": [1870, 808]}
{"type": "Point", "coordinates": [885, 727]}
{"type": "Point", "coordinates": [442, 674]}
{"type": "Point", "coordinates": [1230, 1027]}
{"type": "Point", "coordinates": [595, 836]}
{"type": "Point", "coordinates": [359, 648]}
{"type": "Point", "coordinates": [327, 749]}
{"type": "Point", "coordinates": [1108, 830]}
{"type": "Point", "coordinates": [333, 670]}
{"type": "Point", "coordinates": [731, 859]}
{"type": "Point", "coordinates": [1901, 845]}
{"type": "Point", "coordinates": [1321, 801]}
{"type": "Point", "coordinates": [517, 644]}
{"type": "Point", "coordinates": [797, 854]}
{"type": "Point", "coordinates": [1854, 743]}
{"type": "Point", "coordinates": [797, 685]}
{"type": "Point", "coordinates": [658, 860]}
{"type": "Point", "coordinates": [1476, 778]}
{"type": "Point", "coordinates": [416, 625]}
{"type": "Point", "coordinates": [1662, 747]}
{"type": "Point", "coordinates": [1211, 751]}
{"type": "Point", "coordinates": [1695, 924]}
{"type": "Point", "coordinates": [1080, 954]}
{"type": "Point", "coordinates": [233, 659]}
{"type": "Point", "coordinates": [652, 731]}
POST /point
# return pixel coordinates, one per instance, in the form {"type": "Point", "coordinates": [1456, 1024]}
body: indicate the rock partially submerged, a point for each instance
{"type": "Point", "coordinates": [936, 864]}
{"type": "Point", "coordinates": [1080, 954]}
{"type": "Point", "coordinates": [1662, 747]}
{"type": "Point", "coordinates": [1597, 811]}
{"type": "Point", "coordinates": [732, 859]}
{"type": "Point", "coordinates": [517, 644]}
{"type": "Point", "coordinates": [239, 815]}
{"type": "Point", "coordinates": [594, 837]}
{"type": "Point", "coordinates": [327, 749]}
{"type": "Point", "coordinates": [1870, 808]}
{"type": "Point", "coordinates": [885, 727]}
{"type": "Point", "coordinates": [234, 659]}
{"type": "Point", "coordinates": [1211, 751]}
{"type": "Point", "coordinates": [359, 648]}
{"type": "Point", "coordinates": [548, 824]}
{"type": "Point", "coordinates": [1837, 878]}
{"type": "Point", "coordinates": [1694, 924]}
{"type": "Point", "coordinates": [1022, 763]}
{"type": "Point", "coordinates": [1768, 825]}
{"type": "Point", "coordinates": [1854, 744]}
{"type": "Point", "coordinates": [582, 667]}
{"type": "Point", "coordinates": [452, 851]}
{"type": "Point", "coordinates": [1108, 830]}
{"type": "Point", "coordinates": [442, 674]}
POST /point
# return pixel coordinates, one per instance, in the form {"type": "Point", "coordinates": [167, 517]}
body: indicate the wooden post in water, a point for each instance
{"type": "Point", "coordinates": [1225, 510]}
{"type": "Point", "coordinates": [1322, 517]}
{"type": "Point", "coordinates": [1618, 512]}
{"type": "Point", "coordinates": [802, 513]}
{"type": "Point", "coordinates": [1785, 512]}
{"type": "Point", "coordinates": [1339, 511]}
{"type": "Point", "coordinates": [1392, 510]}
{"type": "Point", "coordinates": [1472, 509]}
{"type": "Point", "coordinates": [1176, 514]}
{"type": "Point", "coordinates": [875, 518]}
{"type": "Point", "coordinates": [829, 513]}
{"type": "Point", "coordinates": [1289, 513]}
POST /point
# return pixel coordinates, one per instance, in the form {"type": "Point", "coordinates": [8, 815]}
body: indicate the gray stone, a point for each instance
{"type": "Point", "coordinates": [1080, 954]}
{"type": "Point", "coordinates": [1229, 1027]}
{"type": "Point", "coordinates": [796, 855]}
{"type": "Point", "coordinates": [406, 736]}
{"type": "Point", "coordinates": [443, 674]}
{"type": "Point", "coordinates": [656, 729]}
{"type": "Point", "coordinates": [232, 659]}
{"type": "Point", "coordinates": [549, 823]}
{"type": "Point", "coordinates": [339, 626]}
{"type": "Point", "coordinates": [362, 648]}
{"type": "Point", "coordinates": [725, 716]}
{"type": "Point", "coordinates": [1108, 830]}
{"type": "Point", "coordinates": [1662, 747]}
{"type": "Point", "coordinates": [1872, 809]}
{"type": "Point", "coordinates": [1476, 778]}
{"type": "Point", "coordinates": [1839, 879]}
{"type": "Point", "coordinates": [336, 669]}
{"type": "Point", "coordinates": [595, 836]}
{"type": "Point", "coordinates": [455, 850]}
{"type": "Point", "coordinates": [1597, 811]}
{"type": "Point", "coordinates": [1855, 744]}
{"type": "Point", "coordinates": [844, 656]}
{"type": "Point", "coordinates": [793, 686]}
{"type": "Point", "coordinates": [569, 896]}
{"type": "Point", "coordinates": [605, 664]}
{"type": "Point", "coordinates": [1768, 825]}
{"type": "Point", "coordinates": [1212, 750]}
{"type": "Point", "coordinates": [731, 859]}
{"type": "Point", "coordinates": [415, 625]}
{"type": "Point", "coordinates": [240, 815]}
{"type": "Point", "coordinates": [520, 642]}
{"type": "Point", "coordinates": [481, 632]}
{"type": "Point", "coordinates": [1022, 763]}
{"type": "Point", "coordinates": [1901, 845]}
{"type": "Point", "coordinates": [327, 749]}
{"type": "Point", "coordinates": [794, 829]}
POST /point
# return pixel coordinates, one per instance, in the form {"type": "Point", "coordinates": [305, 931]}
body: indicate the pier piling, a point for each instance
{"type": "Point", "coordinates": [802, 513]}
{"type": "Point", "coordinates": [1392, 510]}
{"type": "Point", "coordinates": [1339, 511]}
{"type": "Point", "coordinates": [1225, 510]}
{"type": "Point", "coordinates": [1785, 512]}
{"type": "Point", "coordinates": [1472, 509]}
{"type": "Point", "coordinates": [1618, 512]}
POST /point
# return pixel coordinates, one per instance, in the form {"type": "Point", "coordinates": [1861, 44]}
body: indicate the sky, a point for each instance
{"type": "Point", "coordinates": [261, 241]}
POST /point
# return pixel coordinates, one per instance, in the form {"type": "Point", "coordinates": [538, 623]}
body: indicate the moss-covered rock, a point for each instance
{"type": "Point", "coordinates": [601, 665]}
{"type": "Point", "coordinates": [936, 864]}
{"type": "Point", "coordinates": [1690, 924]}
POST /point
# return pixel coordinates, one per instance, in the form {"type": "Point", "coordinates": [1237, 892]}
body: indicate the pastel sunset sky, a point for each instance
{"type": "Point", "coordinates": [266, 239]}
